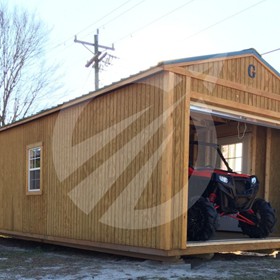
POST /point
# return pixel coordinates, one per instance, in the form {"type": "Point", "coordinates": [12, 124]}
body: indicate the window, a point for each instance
{"type": "Point", "coordinates": [233, 155]}
{"type": "Point", "coordinates": [237, 153]}
{"type": "Point", "coordinates": [34, 157]}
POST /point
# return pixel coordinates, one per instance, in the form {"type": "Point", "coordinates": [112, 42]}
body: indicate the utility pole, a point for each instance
{"type": "Point", "coordinates": [97, 55]}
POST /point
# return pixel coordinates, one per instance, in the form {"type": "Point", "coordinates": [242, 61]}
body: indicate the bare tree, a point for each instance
{"type": "Point", "coordinates": [24, 76]}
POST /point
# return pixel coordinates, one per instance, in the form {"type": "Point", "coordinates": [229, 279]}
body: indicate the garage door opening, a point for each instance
{"type": "Point", "coordinates": [250, 149]}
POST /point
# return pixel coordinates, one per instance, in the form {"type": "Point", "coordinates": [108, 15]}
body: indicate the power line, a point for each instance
{"type": "Point", "coordinates": [223, 20]}
{"type": "Point", "coordinates": [108, 14]}
{"type": "Point", "coordinates": [271, 51]}
{"type": "Point", "coordinates": [92, 24]}
{"type": "Point", "coordinates": [126, 11]}
{"type": "Point", "coordinates": [154, 21]}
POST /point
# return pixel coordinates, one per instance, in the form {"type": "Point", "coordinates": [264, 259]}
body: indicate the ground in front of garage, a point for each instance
{"type": "Point", "coordinates": [31, 260]}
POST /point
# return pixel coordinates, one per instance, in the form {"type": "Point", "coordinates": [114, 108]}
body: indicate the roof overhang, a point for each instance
{"type": "Point", "coordinates": [170, 65]}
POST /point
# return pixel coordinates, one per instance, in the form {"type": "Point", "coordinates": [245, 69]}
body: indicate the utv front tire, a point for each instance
{"type": "Point", "coordinates": [263, 217]}
{"type": "Point", "coordinates": [202, 220]}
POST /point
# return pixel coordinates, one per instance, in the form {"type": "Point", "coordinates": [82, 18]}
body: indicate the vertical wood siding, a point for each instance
{"type": "Point", "coordinates": [236, 70]}
{"type": "Point", "coordinates": [125, 129]}
{"type": "Point", "coordinates": [228, 81]}
{"type": "Point", "coordinates": [180, 160]}
{"type": "Point", "coordinates": [258, 156]}
{"type": "Point", "coordinates": [272, 190]}
{"type": "Point", "coordinates": [53, 213]}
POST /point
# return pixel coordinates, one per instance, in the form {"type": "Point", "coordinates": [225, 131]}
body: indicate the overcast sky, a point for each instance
{"type": "Point", "coordinates": [145, 32]}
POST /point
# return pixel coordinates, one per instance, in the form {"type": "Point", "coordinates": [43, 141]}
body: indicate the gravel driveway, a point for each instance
{"type": "Point", "coordinates": [30, 260]}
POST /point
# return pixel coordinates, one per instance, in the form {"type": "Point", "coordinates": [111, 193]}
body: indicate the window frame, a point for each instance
{"type": "Point", "coordinates": [28, 149]}
{"type": "Point", "coordinates": [246, 149]}
{"type": "Point", "coordinates": [238, 156]}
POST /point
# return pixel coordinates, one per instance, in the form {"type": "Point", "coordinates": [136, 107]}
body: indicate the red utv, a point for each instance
{"type": "Point", "coordinates": [215, 192]}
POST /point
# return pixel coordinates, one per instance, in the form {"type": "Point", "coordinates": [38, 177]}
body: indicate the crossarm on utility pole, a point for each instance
{"type": "Point", "coordinates": [96, 58]}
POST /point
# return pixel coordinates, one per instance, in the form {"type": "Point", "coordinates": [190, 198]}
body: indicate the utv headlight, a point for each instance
{"type": "Point", "coordinates": [223, 179]}
{"type": "Point", "coordinates": [253, 180]}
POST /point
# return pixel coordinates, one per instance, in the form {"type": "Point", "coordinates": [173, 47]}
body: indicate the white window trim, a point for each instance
{"type": "Point", "coordinates": [29, 148]}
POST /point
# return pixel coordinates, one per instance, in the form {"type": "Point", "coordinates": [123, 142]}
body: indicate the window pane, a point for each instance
{"type": "Point", "coordinates": [231, 163]}
{"type": "Point", "coordinates": [37, 163]}
{"type": "Point", "coordinates": [37, 152]}
{"type": "Point", "coordinates": [31, 154]}
{"type": "Point", "coordinates": [34, 153]}
{"type": "Point", "coordinates": [233, 155]}
{"type": "Point", "coordinates": [231, 151]}
{"type": "Point", "coordinates": [34, 177]}
{"type": "Point", "coordinates": [35, 185]}
{"type": "Point", "coordinates": [239, 150]}
{"type": "Point", "coordinates": [31, 164]}
{"type": "Point", "coordinates": [34, 174]}
{"type": "Point", "coordinates": [34, 158]}
{"type": "Point", "coordinates": [223, 166]}
{"type": "Point", "coordinates": [238, 164]}
{"type": "Point", "coordinates": [34, 168]}
{"type": "Point", "coordinates": [225, 150]}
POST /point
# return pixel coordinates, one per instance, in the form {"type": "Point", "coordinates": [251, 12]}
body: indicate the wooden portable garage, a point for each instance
{"type": "Point", "coordinates": [109, 171]}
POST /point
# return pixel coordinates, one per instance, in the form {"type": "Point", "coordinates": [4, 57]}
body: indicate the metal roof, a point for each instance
{"type": "Point", "coordinates": [136, 77]}
{"type": "Point", "coordinates": [222, 55]}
